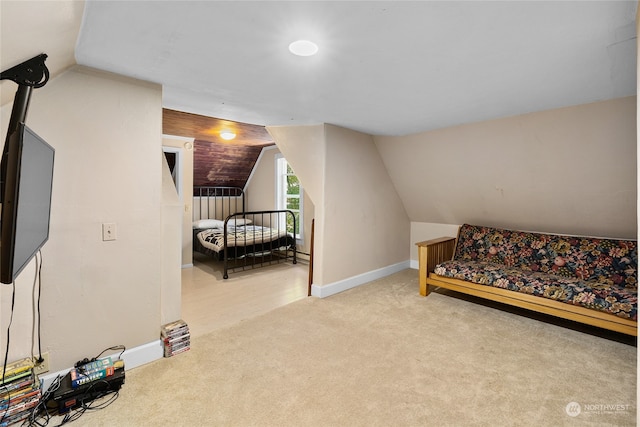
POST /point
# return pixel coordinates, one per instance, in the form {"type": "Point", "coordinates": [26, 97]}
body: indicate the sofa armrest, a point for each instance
{"type": "Point", "coordinates": [431, 253]}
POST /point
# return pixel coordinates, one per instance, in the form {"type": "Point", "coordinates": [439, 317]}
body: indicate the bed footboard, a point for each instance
{"type": "Point", "coordinates": [242, 240]}
{"type": "Point", "coordinates": [263, 239]}
{"type": "Point", "coordinates": [430, 254]}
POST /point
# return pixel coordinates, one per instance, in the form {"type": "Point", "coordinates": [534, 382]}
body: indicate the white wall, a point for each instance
{"type": "Point", "coordinates": [261, 191]}
{"type": "Point", "coordinates": [570, 170]}
{"type": "Point", "coordinates": [107, 134]}
{"type": "Point", "coordinates": [421, 231]}
{"type": "Point", "coordinates": [361, 225]}
{"type": "Point", "coordinates": [366, 226]}
{"type": "Point", "coordinates": [185, 148]}
{"type": "Point", "coordinates": [304, 149]}
{"type": "Point", "coordinates": [171, 231]}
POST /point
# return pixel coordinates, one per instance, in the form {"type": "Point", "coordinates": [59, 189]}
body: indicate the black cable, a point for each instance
{"type": "Point", "coordinates": [6, 353]}
{"type": "Point", "coordinates": [40, 415]}
{"type": "Point", "coordinates": [40, 359]}
{"type": "Point", "coordinates": [86, 406]}
{"type": "Point", "coordinates": [37, 280]}
{"type": "Point", "coordinates": [115, 347]}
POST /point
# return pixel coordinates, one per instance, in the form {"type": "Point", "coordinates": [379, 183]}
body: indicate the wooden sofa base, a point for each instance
{"type": "Point", "coordinates": [432, 252]}
{"type": "Point", "coordinates": [537, 304]}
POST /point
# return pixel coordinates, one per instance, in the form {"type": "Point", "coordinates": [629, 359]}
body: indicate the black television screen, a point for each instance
{"type": "Point", "coordinates": [27, 169]}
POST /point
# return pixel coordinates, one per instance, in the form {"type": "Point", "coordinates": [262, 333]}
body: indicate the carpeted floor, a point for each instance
{"type": "Point", "coordinates": [381, 355]}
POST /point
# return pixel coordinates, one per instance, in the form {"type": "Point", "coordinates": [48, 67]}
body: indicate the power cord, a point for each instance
{"type": "Point", "coordinates": [41, 415]}
{"type": "Point", "coordinates": [37, 279]}
{"type": "Point", "coordinates": [115, 347]}
{"type": "Point", "coordinates": [84, 361]}
{"type": "Point", "coordinates": [93, 404]}
{"type": "Point", "coordinates": [6, 353]}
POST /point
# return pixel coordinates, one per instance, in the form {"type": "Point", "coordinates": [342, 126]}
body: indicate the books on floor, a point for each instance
{"type": "Point", "coordinates": [20, 392]}
{"type": "Point", "coordinates": [175, 338]}
{"type": "Point", "coordinates": [17, 369]}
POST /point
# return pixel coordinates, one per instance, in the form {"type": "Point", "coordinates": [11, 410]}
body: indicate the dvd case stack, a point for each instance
{"type": "Point", "coordinates": [175, 337]}
{"type": "Point", "coordinates": [92, 371]}
{"type": "Point", "coordinates": [20, 392]}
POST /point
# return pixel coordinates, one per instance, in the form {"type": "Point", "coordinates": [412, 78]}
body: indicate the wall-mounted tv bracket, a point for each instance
{"type": "Point", "coordinates": [31, 74]}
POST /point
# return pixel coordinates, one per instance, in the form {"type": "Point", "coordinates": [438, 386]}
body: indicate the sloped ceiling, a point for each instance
{"type": "Point", "coordinates": [29, 28]}
{"type": "Point", "coordinates": [384, 68]}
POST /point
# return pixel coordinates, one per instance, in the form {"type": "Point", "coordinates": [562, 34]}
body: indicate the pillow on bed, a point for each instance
{"type": "Point", "coordinates": [238, 221]}
{"type": "Point", "coordinates": [208, 223]}
{"type": "Point", "coordinates": [204, 224]}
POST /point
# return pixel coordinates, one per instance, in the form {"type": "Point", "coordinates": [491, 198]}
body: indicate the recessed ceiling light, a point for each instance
{"type": "Point", "coordinates": [303, 48]}
{"type": "Point", "coordinates": [228, 135]}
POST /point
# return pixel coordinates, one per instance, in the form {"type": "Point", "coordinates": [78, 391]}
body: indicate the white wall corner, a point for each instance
{"type": "Point", "coordinates": [343, 285]}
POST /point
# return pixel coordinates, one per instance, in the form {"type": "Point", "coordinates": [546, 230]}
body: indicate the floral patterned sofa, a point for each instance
{"type": "Point", "coordinates": [585, 279]}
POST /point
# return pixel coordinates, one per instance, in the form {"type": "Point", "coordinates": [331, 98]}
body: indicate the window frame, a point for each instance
{"type": "Point", "coordinates": [281, 195]}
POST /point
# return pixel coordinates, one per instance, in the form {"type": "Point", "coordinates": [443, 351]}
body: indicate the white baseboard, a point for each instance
{"type": "Point", "coordinates": [132, 357]}
{"type": "Point", "coordinates": [352, 282]}
{"type": "Point", "coordinates": [414, 264]}
{"type": "Point", "coordinates": [143, 354]}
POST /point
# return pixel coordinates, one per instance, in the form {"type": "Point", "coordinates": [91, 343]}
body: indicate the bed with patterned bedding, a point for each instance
{"type": "Point", "coordinates": [247, 240]}
{"type": "Point", "coordinates": [585, 279]}
{"type": "Point", "coordinates": [242, 240]}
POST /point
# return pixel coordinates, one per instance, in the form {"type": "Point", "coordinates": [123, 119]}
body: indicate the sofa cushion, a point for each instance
{"type": "Point", "coordinates": [584, 258]}
{"type": "Point", "coordinates": [604, 295]}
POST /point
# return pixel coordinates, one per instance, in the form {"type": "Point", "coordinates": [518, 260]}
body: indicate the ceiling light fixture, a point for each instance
{"type": "Point", "coordinates": [227, 135]}
{"type": "Point", "coordinates": [303, 48]}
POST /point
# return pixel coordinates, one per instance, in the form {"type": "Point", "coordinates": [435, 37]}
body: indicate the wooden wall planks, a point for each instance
{"type": "Point", "coordinates": [217, 162]}
{"type": "Point", "coordinates": [223, 164]}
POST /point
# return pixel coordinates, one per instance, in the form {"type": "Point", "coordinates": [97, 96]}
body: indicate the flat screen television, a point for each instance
{"type": "Point", "coordinates": [26, 174]}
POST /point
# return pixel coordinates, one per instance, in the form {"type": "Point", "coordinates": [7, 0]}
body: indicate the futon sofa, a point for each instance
{"type": "Point", "coordinates": [584, 279]}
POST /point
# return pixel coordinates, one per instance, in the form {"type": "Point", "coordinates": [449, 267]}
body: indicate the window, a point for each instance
{"type": "Point", "coordinates": [289, 196]}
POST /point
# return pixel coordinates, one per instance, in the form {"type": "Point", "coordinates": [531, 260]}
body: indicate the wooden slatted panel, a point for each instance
{"type": "Point", "coordinates": [205, 128]}
{"type": "Point", "coordinates": [223, 164]}
{"type": "Point", "coordinates": [218, 162]}
{"type": "Point", "coordinates": [430, 254]}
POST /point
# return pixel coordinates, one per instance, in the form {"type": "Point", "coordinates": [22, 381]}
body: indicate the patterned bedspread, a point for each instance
{"type": "Point", "coordinates": [239, 236]}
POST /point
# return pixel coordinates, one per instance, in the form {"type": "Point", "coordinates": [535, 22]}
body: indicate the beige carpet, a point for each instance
{"type": "Point", "coordinates": [381, 355]}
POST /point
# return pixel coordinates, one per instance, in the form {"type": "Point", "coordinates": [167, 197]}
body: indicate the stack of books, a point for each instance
{"type": "Point", "coordinates": [20, 392]}
{"type": "Point", "coordinates": [175, 337]}
{"type": "Point", "coordinates": [92, 371]}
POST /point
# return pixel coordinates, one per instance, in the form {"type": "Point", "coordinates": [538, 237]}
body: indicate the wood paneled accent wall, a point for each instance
{"type": "Point", "coordinates": [217, 162]}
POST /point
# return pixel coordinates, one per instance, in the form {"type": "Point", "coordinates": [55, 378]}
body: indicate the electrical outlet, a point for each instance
{"type": "Point", "coordinates": [108, 231]}
{"type": "Point", "coordinates": [42, 367]}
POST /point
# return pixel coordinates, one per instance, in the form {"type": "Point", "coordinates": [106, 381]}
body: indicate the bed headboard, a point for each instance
{"type": "Point", "coordinates": [217, 202]}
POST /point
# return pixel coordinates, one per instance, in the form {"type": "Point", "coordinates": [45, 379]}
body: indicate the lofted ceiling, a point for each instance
{"type": "Point", "coordinates": [383, 67]}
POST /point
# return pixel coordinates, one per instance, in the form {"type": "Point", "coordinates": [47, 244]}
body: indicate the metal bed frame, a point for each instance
{"type": "Point", "coordinates": [219, 202]}
{"type": "Point", "coordinates": [241, 253]}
